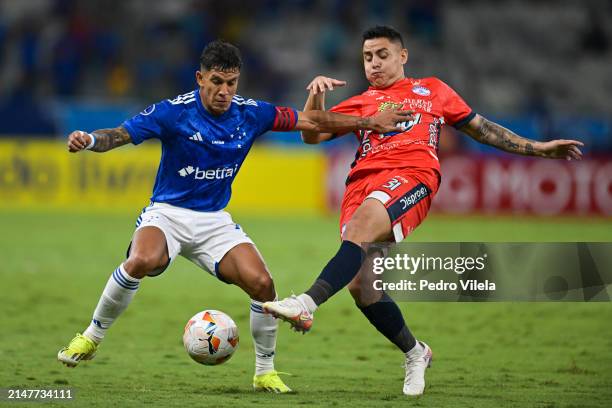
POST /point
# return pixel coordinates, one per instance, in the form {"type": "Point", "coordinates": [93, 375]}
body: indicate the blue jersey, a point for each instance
{"type": "Point", "coordinates": [202, 153]}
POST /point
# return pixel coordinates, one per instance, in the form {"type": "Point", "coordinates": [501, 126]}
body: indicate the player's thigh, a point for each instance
{"type": "Point", "coordinates": [406, 200]}
{"type": "Point", "coordinates": [369, 223]}
{"type": "Point", "coordinates": [158, 239]}
{"type": "Point", "coordinates": [244, 266]}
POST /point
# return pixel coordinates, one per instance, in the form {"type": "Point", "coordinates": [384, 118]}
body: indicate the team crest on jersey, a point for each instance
{"type": "Point", "coordinates": [149, 110]}
{"type": "Point", "coordinates": [421, 90]}
{"type": "Point", "coordinates": [389, 105]}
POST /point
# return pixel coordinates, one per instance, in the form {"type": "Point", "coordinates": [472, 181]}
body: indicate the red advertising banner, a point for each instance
{"type": "Point", "coordinates": [497, 185]}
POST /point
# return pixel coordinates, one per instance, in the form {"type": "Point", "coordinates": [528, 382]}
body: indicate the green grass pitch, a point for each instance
{"type": "Point", "coordinates": [54, 266]}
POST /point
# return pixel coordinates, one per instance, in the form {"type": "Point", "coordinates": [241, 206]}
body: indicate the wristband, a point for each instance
{"type": "Point", "coordinates": [92, 143]}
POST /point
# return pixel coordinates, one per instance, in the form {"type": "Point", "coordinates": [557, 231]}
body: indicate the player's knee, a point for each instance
{"type": "Point", "coordinates": [261, 287]}
{"type": "Point", "coordinates": [359, 229]}
{"type": "Point", "coordinates": [140, 265]}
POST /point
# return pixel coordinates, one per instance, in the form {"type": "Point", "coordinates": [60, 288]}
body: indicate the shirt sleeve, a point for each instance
{"type": "Point", "coordinates": [148, 124]}
{"type": "Point", "coordinates": [457, 112]}
{"type": "Point", "coordinates": [275, 118]}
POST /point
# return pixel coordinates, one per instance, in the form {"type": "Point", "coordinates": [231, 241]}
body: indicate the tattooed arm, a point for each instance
{"type": "Point", "coordinates": [105, 139]}
{"type": "Point", "coordinates": [487, 132]}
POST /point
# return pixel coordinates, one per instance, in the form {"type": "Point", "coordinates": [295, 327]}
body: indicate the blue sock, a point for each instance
{"type": "Point", "coordinates": [388, 319]}
{"type": "Point", "coordinates": [338, 272]}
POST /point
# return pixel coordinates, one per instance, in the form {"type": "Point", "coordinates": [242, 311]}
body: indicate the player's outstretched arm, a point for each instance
{"type": "Point", "coordinates": [100, 140]}
{"type": "Point", "coordinates": [484, 131]}
{"type": "Point", "coordinates": [316, 101]}
{"type": "Point", "coordinates": [321, 121]}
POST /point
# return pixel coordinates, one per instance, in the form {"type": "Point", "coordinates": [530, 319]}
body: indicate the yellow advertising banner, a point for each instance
{"type": "Point", "coordinates": [42, 174]}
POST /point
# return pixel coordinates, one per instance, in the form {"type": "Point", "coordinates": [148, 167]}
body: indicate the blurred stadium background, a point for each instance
{"type": "Point", "coordinates": [541, 68]}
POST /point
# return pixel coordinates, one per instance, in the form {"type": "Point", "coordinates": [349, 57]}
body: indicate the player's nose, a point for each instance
{"type": "Point", "coordinates": [224, 90]}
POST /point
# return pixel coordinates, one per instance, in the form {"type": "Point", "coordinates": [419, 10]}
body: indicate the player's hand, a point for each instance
{"type": "Point", "coordinates": [78, 140]}
{"type": "Point", "coordinates": [322, 83]}
{"type": "Point", "coordinates": [561, 149]}
{"type": "Point", "coordinates": [387, 121]}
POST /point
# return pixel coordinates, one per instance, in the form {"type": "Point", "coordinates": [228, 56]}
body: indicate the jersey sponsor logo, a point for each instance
{"type": "Point", "coordinates": [403, 126]}
{"type": "Point", "coordinates": [366, 144]}
{"type": "Point", "coordinates": [389, 105]}
{"type": "Point", "coordinates": [421, 90]}
{"type": "Point", "coordinates": [434, 132]}
{"type": "Point", "coordinates": [185, 171]}
{"type": "Point", "coordinates": [413, 104]}
{"type": "Point", "coordinates": [148, 110]}
{"type": "Point", "coordinates": [408, 125]}
{"type": "Point", "coordinates": [407, 201]}
{"type": "Point", "coordinates": [197, 137]}
{"type": "Point", "coordinates": [414, 197]}
{"type": "Point", "coordinates": [219, 173]}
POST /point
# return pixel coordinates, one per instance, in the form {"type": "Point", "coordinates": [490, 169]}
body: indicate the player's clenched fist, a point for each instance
{"type": "Point", "coordinates": [322, 83]}
{"type": "Point", "coordinates": [78, 140]}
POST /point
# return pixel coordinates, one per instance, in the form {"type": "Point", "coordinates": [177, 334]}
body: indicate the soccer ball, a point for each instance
{"type": "Point", "coordinates": [210, 337]}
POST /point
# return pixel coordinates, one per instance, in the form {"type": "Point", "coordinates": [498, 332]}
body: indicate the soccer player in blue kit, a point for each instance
{"type": "Point", "coordinates": [205, 136]}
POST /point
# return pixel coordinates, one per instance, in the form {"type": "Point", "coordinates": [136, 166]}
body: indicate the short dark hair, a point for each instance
{"type": "Point", "coordinates": [221, 55]}
{"type": "Point", "coordinates": [383, 32]}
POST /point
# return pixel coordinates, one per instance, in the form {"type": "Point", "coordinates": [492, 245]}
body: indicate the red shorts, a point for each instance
{"type": "Point", "coordinates": [405, 193]}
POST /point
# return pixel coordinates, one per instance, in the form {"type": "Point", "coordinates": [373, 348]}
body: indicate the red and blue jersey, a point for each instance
{"type": "Point", "coordinates": [201, 152]}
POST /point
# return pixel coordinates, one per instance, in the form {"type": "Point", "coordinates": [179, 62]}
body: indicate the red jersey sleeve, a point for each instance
{"type": "Point", "coordinates": [457, 112]}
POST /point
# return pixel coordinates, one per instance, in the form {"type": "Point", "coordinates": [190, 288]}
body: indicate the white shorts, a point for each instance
{"type": "Point", "coordinates": [202, 237]}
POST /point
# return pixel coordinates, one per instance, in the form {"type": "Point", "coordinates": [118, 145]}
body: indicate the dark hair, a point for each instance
{"type": "Point", "coordinates": [383, 32]}
{"type": "Point", "coordinates": [220, 55]}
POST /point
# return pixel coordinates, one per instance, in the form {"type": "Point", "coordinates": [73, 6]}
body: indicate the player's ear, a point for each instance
{"type": "Point", "coordinates": [404, 55]}
{"type": "Point", "coordinates": [200, 78]}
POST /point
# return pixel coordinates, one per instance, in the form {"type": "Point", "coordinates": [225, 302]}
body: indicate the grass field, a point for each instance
{"type": "Point", "coordinates": [54, 266]}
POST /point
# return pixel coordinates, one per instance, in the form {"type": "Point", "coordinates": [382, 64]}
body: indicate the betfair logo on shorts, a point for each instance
{"type": "Point", "coordinates": [219, 173]}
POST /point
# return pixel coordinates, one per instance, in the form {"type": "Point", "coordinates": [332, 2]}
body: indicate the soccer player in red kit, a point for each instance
{"type": "Point", "coordinates": [392, 182]}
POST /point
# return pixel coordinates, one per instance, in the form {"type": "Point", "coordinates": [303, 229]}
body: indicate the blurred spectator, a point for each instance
{"type": "Point", "coordinates": [520, 60]}
{"type": "Point", "coordinates": [21, 113]}
{"type": "Point", "coordinates": [594, 39]}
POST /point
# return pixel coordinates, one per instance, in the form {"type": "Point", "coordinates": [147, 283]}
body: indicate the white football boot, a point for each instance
{"type": "Point", "coordinates": [291, 310]}
{"type": "Point", "coordinates": [417, 361]}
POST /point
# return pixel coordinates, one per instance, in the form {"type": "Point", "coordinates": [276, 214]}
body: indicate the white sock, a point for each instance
{"type": "Point", "coordinates": [263, 330]}
{"type": "Point", "coordinates": [117, 295]}
{"type": "Point", "coordinates": [308, 302]}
